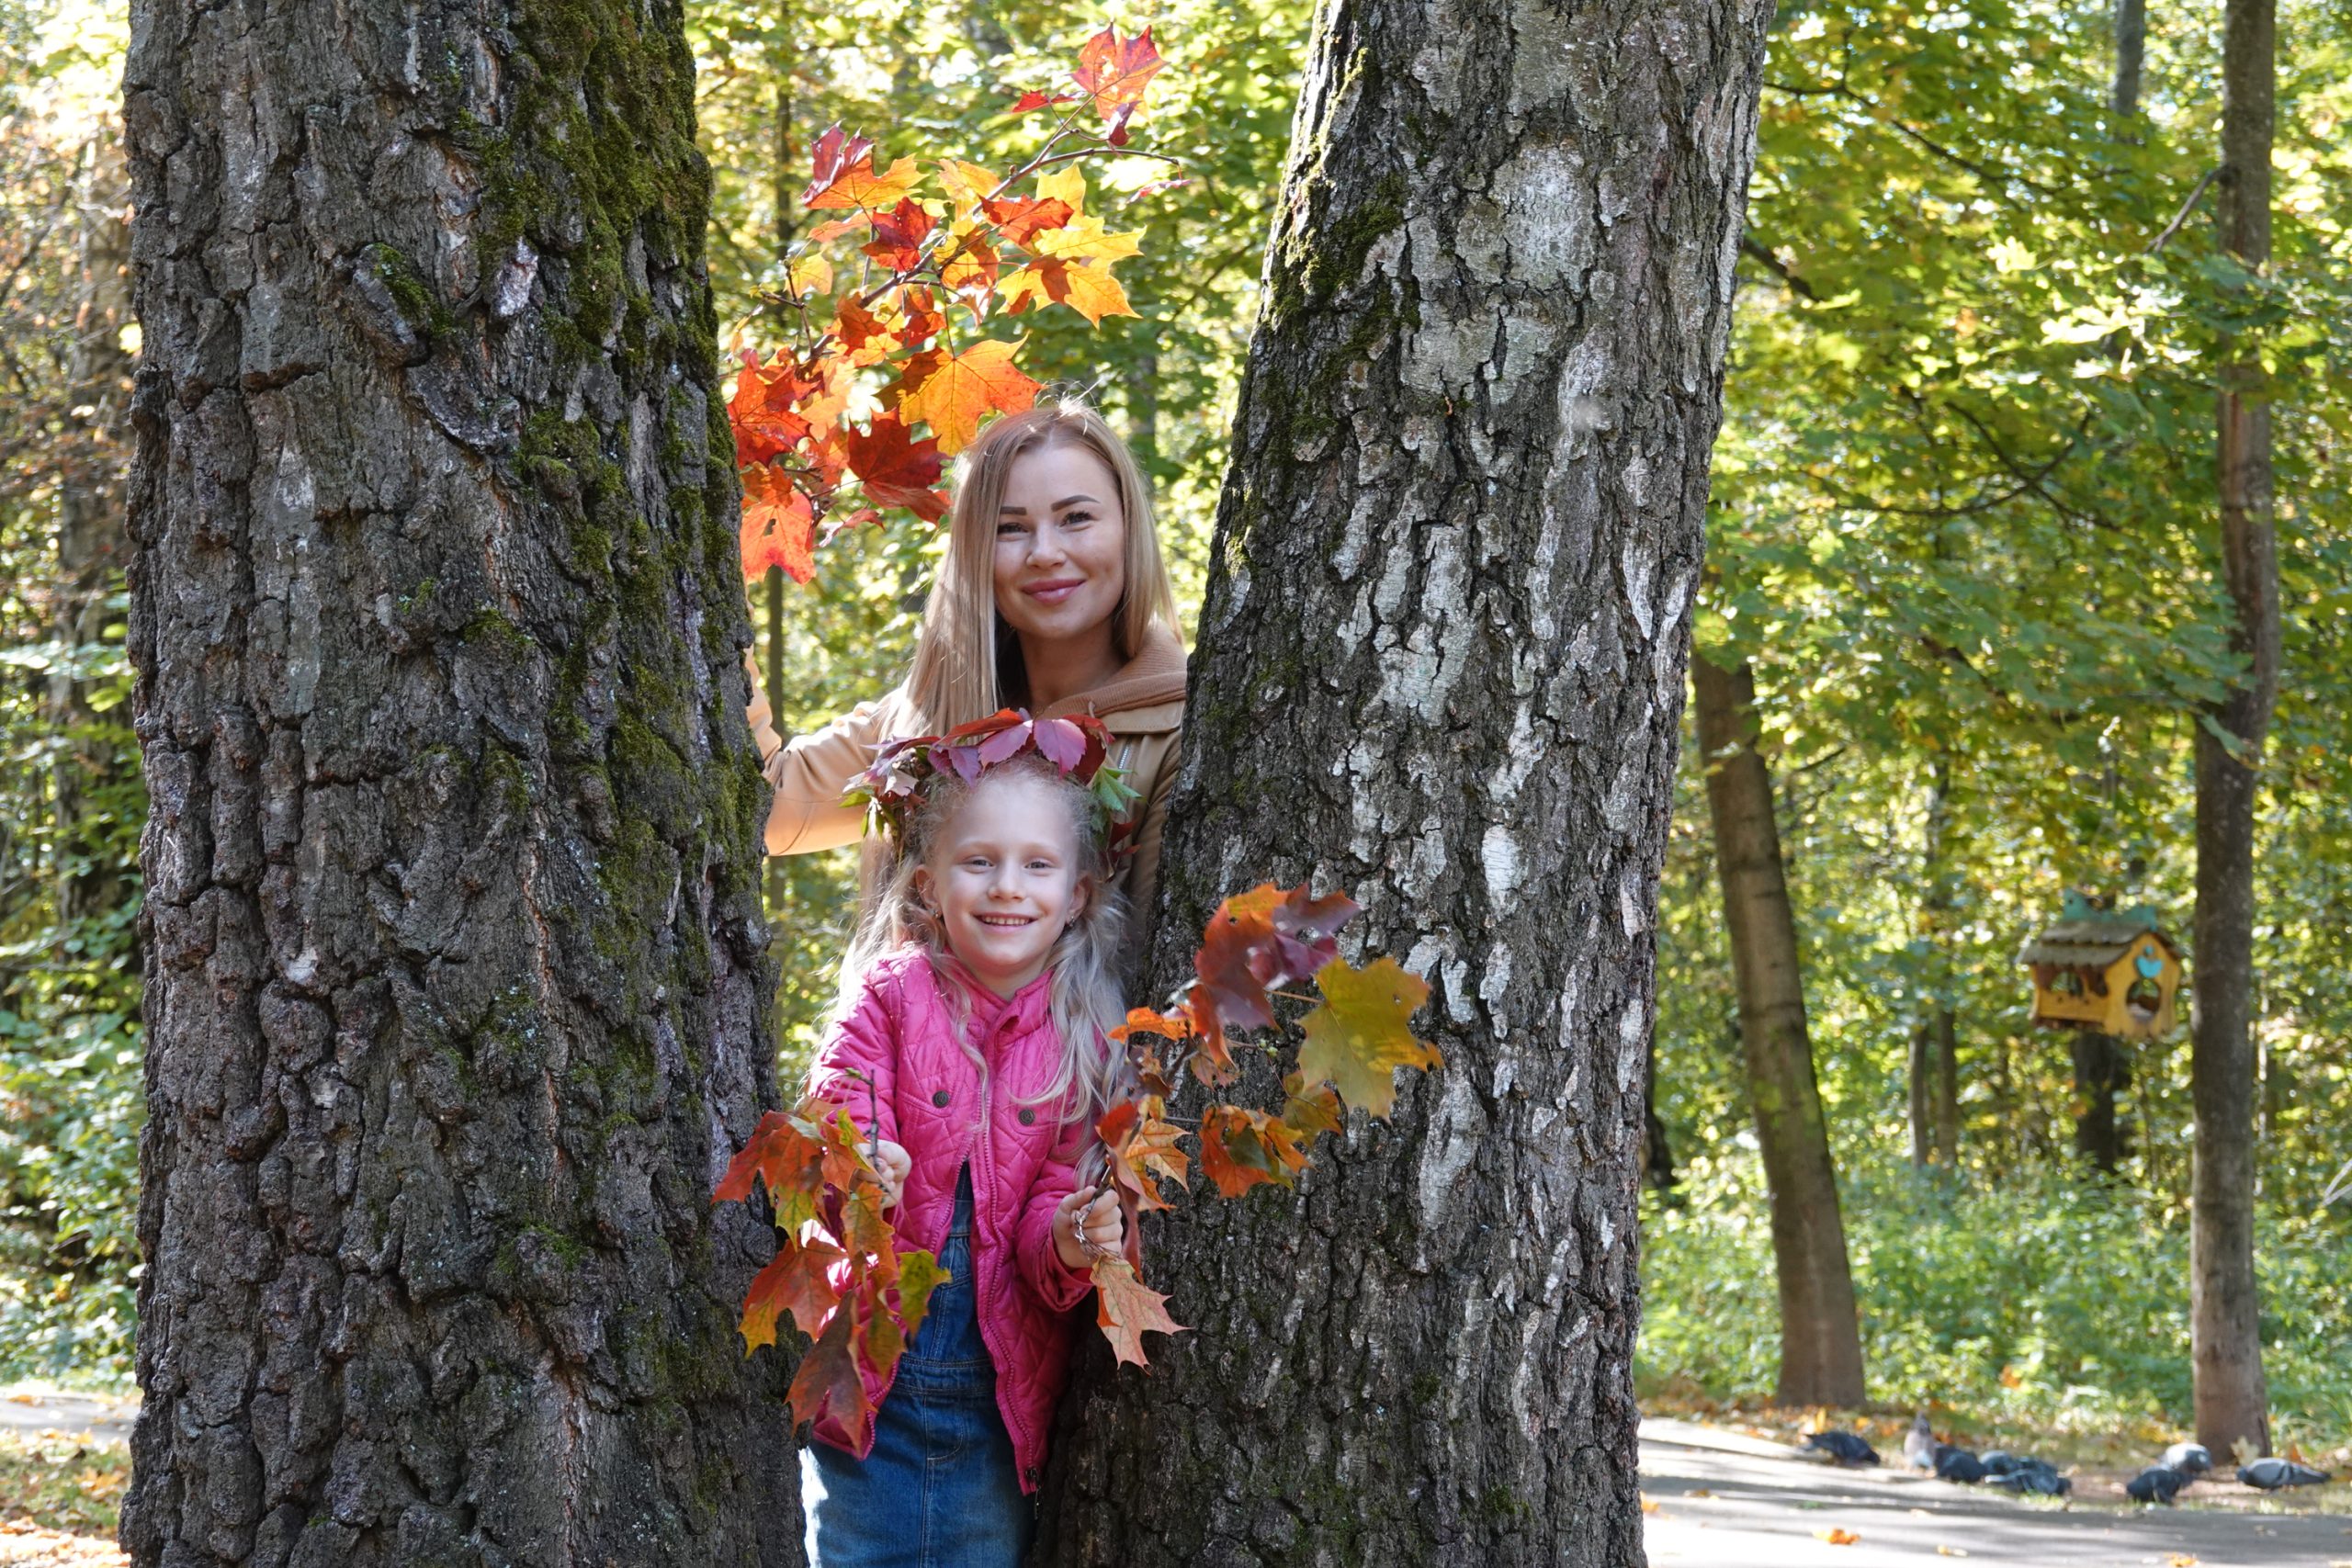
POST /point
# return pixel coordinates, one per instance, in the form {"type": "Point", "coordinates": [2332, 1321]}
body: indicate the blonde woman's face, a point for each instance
{"type": "Point", "coordinates": [1061, 546]}
{"type": "Point", "coordinates": [1004, 877]}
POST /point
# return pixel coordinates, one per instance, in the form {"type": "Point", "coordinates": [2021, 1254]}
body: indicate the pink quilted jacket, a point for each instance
{"type": "Point", "coordinates": [927, 1096]}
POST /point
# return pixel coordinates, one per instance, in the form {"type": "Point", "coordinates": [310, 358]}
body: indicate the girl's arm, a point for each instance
{"type": "Point", "coordinates": [810, 772]}
{"type": "Point", "coordinates": [1047, 1277]}
{"type": "Point", "coordinates": [862, 1047]}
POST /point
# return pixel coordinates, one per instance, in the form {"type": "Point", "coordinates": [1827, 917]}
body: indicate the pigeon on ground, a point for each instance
{"type": "Point", "coordinates": [2270, 1474]}
{"type": "Point", "coordinates": [2000, 1462]}
{"type": "Point", "coordinates": [1958, 1464]}
{"type": "Point", "coordinates": [2158, 1483]}
{"type": "Point", "coordinates": [2191, 1460]}
{"type": "Point", "coordinates": [1919, 1444]}
{"type": "Point", "coordinates": [2033, 1478]}
{"type": "Point", "coordinates": [1844, 1447]}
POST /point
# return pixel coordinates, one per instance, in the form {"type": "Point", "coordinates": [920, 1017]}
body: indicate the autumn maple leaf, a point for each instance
{"type": "Point", "coordinates": [896, 469]}
{"type": "Point", "coordinates": [1127, 1309]}
{"type": "Point", "coordinates": [798, 1280]}
{"type": "Point", "coordinates": [845, 177]}
{"type": "Point", "coordinates": [1115, 71]}
{"type": "Point", "coordinates": [1362, 1032]}
{"type": "Point", "coordinates": [1092, 292]}
{"type": "Point", "coordinates": [1029, 101]}
{"type": "Point", "coordinates": [898, 235]}
{"type": "Point", "coordinates": [957, 389]}
{"type": "Point", "coordinates": [778, 524]}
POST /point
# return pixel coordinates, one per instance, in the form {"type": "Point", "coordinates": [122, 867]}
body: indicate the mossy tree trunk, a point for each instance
{"type": "Point", "coordinates": [457, 972]}
{"type": "Point", "coordinates": [1821, 1344]}
{"type": "Point", "coordinates": [2224, 1300]}
{"type": "Point", "coordinates": [1440, 664]}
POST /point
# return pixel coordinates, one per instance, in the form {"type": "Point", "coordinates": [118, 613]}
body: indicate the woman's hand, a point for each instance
{"type": "Point", "coordinates": [1087, 1226]}
{"type": "Point", "coordinates": [891, 1163]}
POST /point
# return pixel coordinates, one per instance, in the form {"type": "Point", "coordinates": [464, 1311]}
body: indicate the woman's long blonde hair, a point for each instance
{"type": "Point", "coordinates": [1083, 995]}
{"type": "Point", "coordinates": [967, 664]}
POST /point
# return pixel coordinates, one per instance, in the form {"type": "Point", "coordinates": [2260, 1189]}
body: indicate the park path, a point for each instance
{"type": "Point", "coordinates": [1717, 1499]}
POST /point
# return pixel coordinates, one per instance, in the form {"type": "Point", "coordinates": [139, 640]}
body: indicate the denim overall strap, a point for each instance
{"type": "Point", "coordinates": [941, 1488]}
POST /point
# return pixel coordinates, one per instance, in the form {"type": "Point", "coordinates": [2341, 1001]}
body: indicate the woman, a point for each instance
{"type": "Point", "coordinates": [1052, 597]}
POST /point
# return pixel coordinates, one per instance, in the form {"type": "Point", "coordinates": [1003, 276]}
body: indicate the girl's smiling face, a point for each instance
{"type": "Point", "coordinates": [1003, 874]}
{"type": "Point", "coordinates": [1061, 542]}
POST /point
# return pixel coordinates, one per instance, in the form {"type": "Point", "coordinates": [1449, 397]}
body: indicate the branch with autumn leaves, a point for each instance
{"type": "Point", "coordinates": [903, 333]}
{"type": "Point", "coordinates": [839, 1273]}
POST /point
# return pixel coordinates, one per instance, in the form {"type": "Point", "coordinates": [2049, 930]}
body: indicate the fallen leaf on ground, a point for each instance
{"type": "Point", "coordinates": [2180, 1559]}
{"type": "Point", "coordinates": [1838, 1537]}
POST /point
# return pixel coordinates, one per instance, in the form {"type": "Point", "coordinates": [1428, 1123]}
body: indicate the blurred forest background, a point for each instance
{"type": "Point", "coordinates": [1962, 535]}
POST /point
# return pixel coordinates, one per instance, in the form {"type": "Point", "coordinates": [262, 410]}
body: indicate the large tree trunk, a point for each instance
{"type": "Point", "coordinates": [1821, 1344]}
{"type": "Point", "coordinates": [91, 544]}
{"type": "Point", "coordinates": [2223, 1305]}
{"type": "Point", "coordinates": [455, 952]}
{"type": "Point", "coordinates": [2131, 52]}
{"type": "Point", "coordinates": [1440, 664]}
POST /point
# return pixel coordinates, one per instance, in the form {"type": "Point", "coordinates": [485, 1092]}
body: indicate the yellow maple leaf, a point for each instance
{"type": "Point", "coordinates": [963, 386]}
{"type": "Point", "coordinates": [1092, 292]}
{"type": "Point", "coordinates": [967, 185]}
{"type": "Point", "coordinates": [810, 274]}
{"type": "Point", "coordinates": [1362, 1032]}
{"type": "Point", "coordinates": [1085, 239]}
{"type": "Point", "coordinates": [1067, 183]}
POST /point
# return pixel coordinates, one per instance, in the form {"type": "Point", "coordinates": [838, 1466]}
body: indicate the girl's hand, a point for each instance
{"type": "Point", "coordinates": [1087, 1226]}
{"type": "Point", "coordinates": [891, 1163]}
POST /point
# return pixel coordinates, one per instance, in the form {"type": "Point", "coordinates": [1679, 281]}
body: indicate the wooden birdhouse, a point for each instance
{"type": "Point", "coordinates": [2112, 971]}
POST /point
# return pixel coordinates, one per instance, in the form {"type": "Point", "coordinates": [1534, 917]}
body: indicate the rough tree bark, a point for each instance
{"type": "Point", "coordinates": [456, 956]}
{"type": "Point", "coordinates": [91, 545]}
{"type": "Point", "coordinates": [1821, 1342]}
{"type": "Point", "coordinates": [1440, 664]}
{"type": "Point", "coordinates": [2225, 1335]}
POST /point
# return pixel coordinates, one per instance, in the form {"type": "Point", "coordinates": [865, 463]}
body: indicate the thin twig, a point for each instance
{"type": "Point", "coordinates": [2187, 206]}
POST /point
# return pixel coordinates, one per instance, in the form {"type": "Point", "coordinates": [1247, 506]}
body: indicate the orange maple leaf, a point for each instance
{"type": "Point", "coordinates": [1127, 1309]}
{"type": "Point", "coordinates": [845, 177]}
{"type": "Point", "coordinates": [778, 523]}
{"type": "Point", "coordinates": [1361, 1032]}
{"type": "Point", "coordinates": [798, 1281]}
{"type": "Point", "coordinates": [896, 469]}
{"type": "Point", "coordinates": [959, 390]}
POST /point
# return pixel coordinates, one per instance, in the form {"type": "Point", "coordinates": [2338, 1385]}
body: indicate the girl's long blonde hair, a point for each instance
{"type": "Point", "coordinates": [1083, 997]}
{"type": "Point", "coordinates": [967, 664]}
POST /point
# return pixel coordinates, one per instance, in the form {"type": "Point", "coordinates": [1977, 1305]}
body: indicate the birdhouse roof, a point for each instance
{"type": "Point", "coordinates": [2094, 940]}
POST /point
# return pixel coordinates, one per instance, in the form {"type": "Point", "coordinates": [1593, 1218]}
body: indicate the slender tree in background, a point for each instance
{"type": "Point", "coordinates": [2224, 1305]}
{"type": "Point", "coordinates": [1821, 1344]}
{"type": "Point", "coordinates": [2102, 1075]}
{"type": "Point", "coordinates": [455, 954]}
{"type": "Point", "coordinates": [1934, 1075]}
{"type": "Point", "coordinates": [1440, 664]}
{"type": "Point", "coordinates": [90, 540]}
{"type": "Point", "coordinates": [2131, 52]}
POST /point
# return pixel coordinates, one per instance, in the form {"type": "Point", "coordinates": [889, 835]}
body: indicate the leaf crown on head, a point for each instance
{"type": "Point", "coordinates": [1079, 747]}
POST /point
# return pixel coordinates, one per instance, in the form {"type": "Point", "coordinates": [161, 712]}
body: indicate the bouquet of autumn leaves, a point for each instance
{"type": "Point", "coordinates": [901, 329]}
{"type": "Point", "coordinates": [838, 1270]}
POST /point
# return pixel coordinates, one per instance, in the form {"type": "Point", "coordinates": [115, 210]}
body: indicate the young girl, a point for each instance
{"type": "Point", "coordinates": [1052, 597]}
{"type": "Point", "coordinates": [976, 999]}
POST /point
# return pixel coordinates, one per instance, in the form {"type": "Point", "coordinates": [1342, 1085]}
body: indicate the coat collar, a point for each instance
{"type": "Point", "coordinates": [1153, 677]}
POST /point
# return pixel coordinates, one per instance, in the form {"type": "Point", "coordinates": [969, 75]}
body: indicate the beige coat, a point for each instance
{"type": "Point", "coordinates": [1142, 705]}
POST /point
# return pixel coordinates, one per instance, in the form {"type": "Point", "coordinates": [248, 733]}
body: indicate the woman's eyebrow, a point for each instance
{"type": "Point", "coordinates": [1081, 499]}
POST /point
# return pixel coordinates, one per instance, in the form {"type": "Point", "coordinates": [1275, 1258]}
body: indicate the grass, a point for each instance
{"type": "Point", "coordinates": [2038, 1305]}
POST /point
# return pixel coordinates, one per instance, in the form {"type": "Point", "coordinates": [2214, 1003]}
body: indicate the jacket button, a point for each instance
{"type": "Point", "coordinates": [939, 1098]}
{"type": "Point", "coordinates": [1028, 1117]}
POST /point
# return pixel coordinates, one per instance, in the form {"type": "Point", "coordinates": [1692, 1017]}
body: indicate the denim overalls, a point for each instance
{"type": "Point", "coordinates": [941, 1489]}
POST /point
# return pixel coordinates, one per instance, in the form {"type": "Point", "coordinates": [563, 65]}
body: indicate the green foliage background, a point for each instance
{"type": "Point", "coordinates": [1963, 527]}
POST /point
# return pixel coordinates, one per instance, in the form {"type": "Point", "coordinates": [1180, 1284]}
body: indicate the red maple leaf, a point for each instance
{"type": "Point", "coordinates": [895, 468]}
{"type": "Point", "coordinates": [898, 235]}
{"type": "Point", "coordinates": [1116, 70]}
{"type": "Point", "coordinates": [777, 524]}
